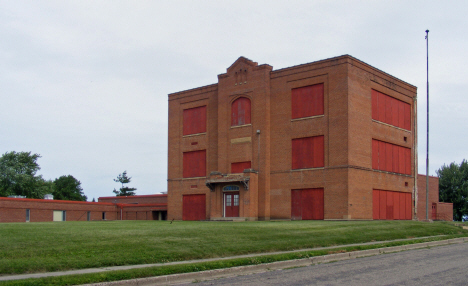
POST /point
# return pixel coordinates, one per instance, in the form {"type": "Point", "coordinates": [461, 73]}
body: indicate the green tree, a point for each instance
{"type": "Point", "coordinates": [124, 191]}
{"type": "Point", "coordinates": [45, 187]}
{"type": "Point", "coordinates": [68, 188]}
{"type": "Point", "coordinates": [453, 187]}
{"type": "Point", "coordinates": [18, 175]}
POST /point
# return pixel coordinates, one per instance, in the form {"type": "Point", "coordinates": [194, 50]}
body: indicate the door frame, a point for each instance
{"type": "Point", "coordinates": [230, 192]}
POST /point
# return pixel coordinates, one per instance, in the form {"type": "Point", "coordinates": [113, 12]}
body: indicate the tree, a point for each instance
{"type": "Point", "coordinates": [18, 175]}
{"type": "Point", "coordinates": [453, 187]}
{"type": "Point", "coordinates": [124, 191]}
{"type": "Point", "coordinates": [68, 188]}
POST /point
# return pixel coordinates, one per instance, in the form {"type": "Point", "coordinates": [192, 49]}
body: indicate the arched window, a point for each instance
{"type": "Point", "coordinates": [231, 188]}
{"type": "Point", "coordinates": [240, 111]}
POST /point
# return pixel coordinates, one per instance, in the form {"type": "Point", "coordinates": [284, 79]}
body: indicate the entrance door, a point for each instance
{"type": "Point", "coordinates": [231, 204]}
{"type": "Point", "coordinates": [434, 211]}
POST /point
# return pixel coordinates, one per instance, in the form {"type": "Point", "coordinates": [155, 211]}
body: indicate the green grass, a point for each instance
{"type": "Point", "coordinates": [41, 247]}
{"type": "Point", "coordinates": [196, 267]}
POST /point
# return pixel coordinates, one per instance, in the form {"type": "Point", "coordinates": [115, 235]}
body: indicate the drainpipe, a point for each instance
{"type": "Point", "coordinates": [415, 150]}
{"type": "Point", "coordinates": [258, 154]}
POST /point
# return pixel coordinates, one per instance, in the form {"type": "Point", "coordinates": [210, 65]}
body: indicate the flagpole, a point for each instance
{"type": "Point", "coordinates": [427, 135]}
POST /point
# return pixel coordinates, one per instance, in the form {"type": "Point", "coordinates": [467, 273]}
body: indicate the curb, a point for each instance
{"type": "Point", "coordinates": [252, 269]}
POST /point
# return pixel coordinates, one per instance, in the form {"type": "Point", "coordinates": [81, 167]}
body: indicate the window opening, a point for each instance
{"type": "Point", "coordinates": [240, 112]}
{"type": "Point", "coordinates": [236, 200]}
{"type": "Point", "coordinates": [231, 188]}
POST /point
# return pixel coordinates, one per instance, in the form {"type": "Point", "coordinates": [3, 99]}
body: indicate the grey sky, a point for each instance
{"type": "Point", "coordinates": [85, 83]}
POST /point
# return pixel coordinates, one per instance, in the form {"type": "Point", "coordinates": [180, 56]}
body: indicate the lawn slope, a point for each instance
{"type": "Point", "coordinates": [40, 247]}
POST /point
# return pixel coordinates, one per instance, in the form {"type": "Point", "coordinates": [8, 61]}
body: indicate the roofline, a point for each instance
{"type": "Point", "coordinates": [345, 56]}
{"type": "Point", "coordinates": [142, 205]}
{"type": "Point", "coordinates": [53, 201]}
{"type": "Point", "coordinates": [193, 89]}
{"type": "Point", "coordinates": [429, 176]}
{"type": "Point", "coordinates": [142, 196]}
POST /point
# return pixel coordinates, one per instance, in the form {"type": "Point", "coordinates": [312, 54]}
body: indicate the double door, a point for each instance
{"type": "Point", "coordinates": [231, 204]}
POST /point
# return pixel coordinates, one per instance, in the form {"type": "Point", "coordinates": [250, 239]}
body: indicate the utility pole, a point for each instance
{"type": "Point", "coordinates": [427, 135]}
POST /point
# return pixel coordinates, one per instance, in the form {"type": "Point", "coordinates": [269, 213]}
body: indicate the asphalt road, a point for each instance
{"type": "Point", "coordinates": [443, 265]}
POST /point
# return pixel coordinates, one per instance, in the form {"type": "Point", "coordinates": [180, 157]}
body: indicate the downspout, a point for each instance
{"type": "Point", "coordinates": [415, 150]}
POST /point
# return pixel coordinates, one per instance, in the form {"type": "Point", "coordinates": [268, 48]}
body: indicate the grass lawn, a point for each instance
{"type": "Point", "coordinates": [39, 247]}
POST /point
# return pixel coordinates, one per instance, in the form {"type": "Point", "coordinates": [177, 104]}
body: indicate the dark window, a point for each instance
{"type": "Point", "coordinates": [307, 101]}
{"type": "Point", "coordinates": [88, 216]}
{"type": "Point", "coordinates": [391, 110]}
{"type": "Point", "coordinates": [194, 120]}
{"type": "Point", "coordinates": [103, 215]}
{"type": "Point", "coordinates": [390, 157]}
{"type": "Point", "coordinates": [239, 167]}
{"type": "Point", "coordinates": [240, 111]}
{"type": "Point", "coordinates": [27, 215]}
{"type": "Point", "coordinates": [308, 152]}
{"type": "Point", "coordinates": [194, 164]}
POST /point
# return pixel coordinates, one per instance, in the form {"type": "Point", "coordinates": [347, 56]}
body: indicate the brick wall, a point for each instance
{"type": "Point", "coordinates": [144, 199]}
{"type": "Point", "coordinates": [150, 207]}
{"type": "Point", "coordinates": [14, 210]}
{"type": "Point", "coordinates": [347, 126]}
{"type": "Point", "coordinates": [444, 210]}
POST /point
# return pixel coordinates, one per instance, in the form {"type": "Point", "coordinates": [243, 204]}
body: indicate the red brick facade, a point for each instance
{"type": "Point", "coordinates": [150, 207]}
{"type": "Point", "coordinates": [436, 210]}
{"type": "Point", "coordinates": [345, 123]}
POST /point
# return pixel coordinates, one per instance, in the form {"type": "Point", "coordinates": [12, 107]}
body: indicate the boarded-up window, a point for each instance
{"type": "Point", "coordinates": [307, 101]}
{"type": "Point", "coordinates": [194, 164]}
{"type": "Point", "coordinates": [391, 110]}
{"type": "Point", "coordinates": [194, 207]}
{"type": "Point", "coordinates": [390, 157]}
{"type": "Point", "coordinates": [389, 205]}
{"type": "Point", "coordinates": [239, 167]}
{"type": "Point", "coordinates": [194, 120]}
{"type": "Point", "coordinates": [307, 204]}
{"type": "Point", "coordinates": [308, 152]}
{"type": "Point", "coordinates": [240, 111]}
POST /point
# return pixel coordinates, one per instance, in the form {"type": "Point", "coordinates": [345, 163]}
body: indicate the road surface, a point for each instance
{"type": "Point", "coordinates": [443, 265]}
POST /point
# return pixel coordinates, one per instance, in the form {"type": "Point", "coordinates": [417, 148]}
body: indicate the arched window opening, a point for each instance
{"type": "Point", "coordinates": [240, 111]}
{"type": "Point", "coordinates": [231, 188]}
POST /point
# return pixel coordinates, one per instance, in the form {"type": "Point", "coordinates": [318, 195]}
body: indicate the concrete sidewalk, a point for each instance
{"type": "Point", "coordinates": [179, 278]}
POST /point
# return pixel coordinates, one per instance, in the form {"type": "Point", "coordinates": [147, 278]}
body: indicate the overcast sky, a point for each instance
{"type": "Point", "coordinates": [85, 83]}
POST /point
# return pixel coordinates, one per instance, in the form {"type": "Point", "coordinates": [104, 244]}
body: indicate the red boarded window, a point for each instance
{"type": "Point", "coordinates": [195, 120]}
{"type": "Point", "coordinates": [240, 111]}
{"type": "Point", "coordinates": [194, 207]}
{"type": "Point", "coordinates": [388, 205]}
{"type": "Point", "coordinates": [391, 110]}
{"type": "Point", "coordinates": [390, 157]}
{"type": "Point", "coordinates": [307, 101]}
{"type": "Point", "coordinates": [239, 167]}
{"type": "Point", "coordinates": [194, 164]}
{"type": "Point", "coordinates": [307, 204]}
{"type": "Point", "coordinates": [308, 152]}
